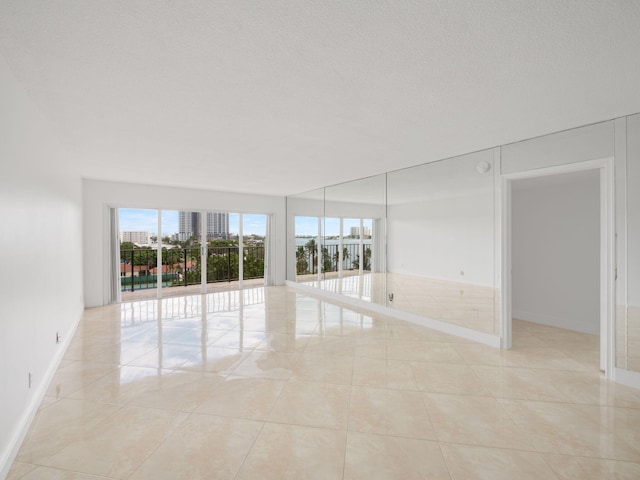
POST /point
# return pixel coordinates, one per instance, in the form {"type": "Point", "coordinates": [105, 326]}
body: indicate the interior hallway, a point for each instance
{"type": "Point", "coordinates": [271, 383]}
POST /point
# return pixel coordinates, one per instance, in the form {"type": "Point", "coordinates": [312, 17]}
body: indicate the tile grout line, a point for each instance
{"type": "Point", "coordinates": [264, 422]}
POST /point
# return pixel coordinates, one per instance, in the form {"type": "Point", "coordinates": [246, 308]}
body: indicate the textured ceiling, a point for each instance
{"type": "Point", "coordinates": [279, 97]}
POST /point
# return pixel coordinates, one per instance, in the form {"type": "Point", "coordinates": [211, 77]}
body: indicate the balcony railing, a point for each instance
{"type": "Point", "coordinates": [307, 258]}
{"type": "Point", "coordinates": [183, 266]}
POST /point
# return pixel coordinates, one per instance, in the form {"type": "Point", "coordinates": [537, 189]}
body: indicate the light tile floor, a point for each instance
{"type": "Point", "coordinates": [285, 386]}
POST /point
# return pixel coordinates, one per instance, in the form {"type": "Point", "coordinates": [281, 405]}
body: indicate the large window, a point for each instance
{"type": "Point", "coordinates": [169, 252]}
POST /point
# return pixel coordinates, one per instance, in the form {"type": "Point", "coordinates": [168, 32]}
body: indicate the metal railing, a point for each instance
{"type": "Point", "coordinates": [183, 266]}
{"type": "Point", "coordinates": [307, 258]}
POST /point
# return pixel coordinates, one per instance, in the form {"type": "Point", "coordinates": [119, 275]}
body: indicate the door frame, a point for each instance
{"type": "Point", "coordinates": [607, 252]}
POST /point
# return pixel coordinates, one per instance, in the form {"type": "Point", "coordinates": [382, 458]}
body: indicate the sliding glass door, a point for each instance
{"type": "Point", "coordinates": [175, 252]}
{"type": "Point", "coordinates": [137, 253]}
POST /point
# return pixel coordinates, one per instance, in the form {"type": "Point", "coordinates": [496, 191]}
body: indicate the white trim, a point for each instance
{"type": "Point", "coordinates": [361, 247]}
{"type": "Point", "coordinates": [204, 243]}
{"type": "Point", "coordinates": [106, 253]}
{"type": "Point", "coordinates": [498, 240]}
{"type": "Point", "coordinates": [158, 257]}
{"type": "Point", "coordinates": [557, 169]}
{"type": "Point", "coordinates": [451, 329]}
{"type": "Point", "coordinates": [607, 251]}
{"type": "Point", "coordinates": [240, 250]}
{"type": "Point", "coordinates": [340, 249]}
{"type": "Point", "coordinates": [608, 265]}
{"type": "Point", "coordinates": [319, 247]}
{"type": "Point", "coordinates": [627, 377]}
{"type": "Point", "coordinates": [506, 314]}
{"type": "Point", "coordinates": [29, 413]}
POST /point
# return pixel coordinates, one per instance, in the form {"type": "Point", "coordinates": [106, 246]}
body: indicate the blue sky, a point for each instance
{"type": "Point", "coordinates": [308, 226]}
{"type": "Point", "coordinates": [135, 219]}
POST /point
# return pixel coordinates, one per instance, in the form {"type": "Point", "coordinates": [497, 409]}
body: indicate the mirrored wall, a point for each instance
{"type": "Point", "coordinates": [337, 238]}
{"type": "Point", "coordinates": [428, 240]}
{"type": "Point", "coordinates": [419, 240]}
{"type": "Point", "coordinates": [441, 241]}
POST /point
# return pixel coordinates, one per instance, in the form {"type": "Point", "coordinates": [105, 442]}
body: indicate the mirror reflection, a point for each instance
{"type": "Point", "coordinates": [354, 239]}
{"type": "Point", "coordinates": [441, 241]}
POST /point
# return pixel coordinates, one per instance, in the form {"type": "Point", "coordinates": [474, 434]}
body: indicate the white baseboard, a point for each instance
{"type": "Point", "coordinates": [552, 321]}
{"type": "Point", "coordinates": [22, 427]}
{"type": "Point", "coordinates": [627, 377]}
{"type": "Point", "coordinates": [452, 329]}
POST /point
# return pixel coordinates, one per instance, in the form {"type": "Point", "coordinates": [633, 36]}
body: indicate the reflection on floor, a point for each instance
{"type": "Point", "coordinates": [178, 290]}
{"type": "Point", "coordinates": [468, 305]}
{"type": "Point", "coordinates": [269, 383]}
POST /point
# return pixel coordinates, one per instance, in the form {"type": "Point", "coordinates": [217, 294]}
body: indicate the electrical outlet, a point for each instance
{"type": "Point", "coordinates": [474, 314]}
{"type": "Point", "coordinates": [58, 337]}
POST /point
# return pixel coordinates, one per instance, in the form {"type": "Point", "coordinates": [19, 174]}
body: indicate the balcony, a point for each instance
{"type": "Point", "coordinates": [307, 259]}
{"type": "Point", "coordinates": [181, 270]}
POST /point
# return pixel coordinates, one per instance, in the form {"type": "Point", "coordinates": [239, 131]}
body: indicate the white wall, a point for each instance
{"type": "Point", "coordinates": [41, 241]}
{"type": "Point", "coordinates": [576, 145]}
{"type": "Point", "coordinates": [556, 250]}
{"type": "Point", "coordinates": [99, 196]}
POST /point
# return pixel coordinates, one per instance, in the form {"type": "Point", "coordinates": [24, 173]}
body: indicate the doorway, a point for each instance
{"type": "Point", "coordinates": [558, 261]}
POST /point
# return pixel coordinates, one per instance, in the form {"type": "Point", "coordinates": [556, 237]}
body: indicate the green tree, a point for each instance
{"type": "Point", "coordinates": [302, 265]}
{"type": "Point", "coordinates": [312, 249]}
{"type": "Point", "coordinates": [127, 246]}
{"type": "Point", "coordinates": [327, 264]}
{"type": "Point", "coordinates": [367, 259]}
{"type": "Point", "coordinates": [366, 265]}
{"type": "Point", "coordinates": [345, 257]}
{"type": "Point", "coordinates": [253, 262]}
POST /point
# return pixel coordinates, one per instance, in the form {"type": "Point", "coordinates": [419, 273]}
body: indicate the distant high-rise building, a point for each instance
{"type": "Point", "coordinates": [139, 238]}
{"type": "Point", "coordinates": [190, 225]}
{"type": "Point", "coordinates": [355, 231]}
{"type": "Point", "coordinates": [217, 225]}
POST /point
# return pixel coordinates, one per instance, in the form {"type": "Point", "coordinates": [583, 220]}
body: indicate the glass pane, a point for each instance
{"type": "Point", "coordinates": [354, 238]}
{"type": "Point", "coordinates": [351, 247]}
{"type": "Point", "coordinates": [254, 230]}
{"type": "Point", "coordinates": [222, 251]}
{"type": "Point", "coordinates": [138, 253]}
{"type": "Point", "coordinates": [330, 247]}
{"type": "Point", "coordinates": [181, 240]}
{"type": "Point", "coordinates": [306, 235]}
{"type": "Point", "coordinates": [440, 220]}
{"type": "Point", "coordinates": [305, 213]}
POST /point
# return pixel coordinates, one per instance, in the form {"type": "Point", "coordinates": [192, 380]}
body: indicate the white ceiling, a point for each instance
{"type": "Point", "coordinates": [280, 97]}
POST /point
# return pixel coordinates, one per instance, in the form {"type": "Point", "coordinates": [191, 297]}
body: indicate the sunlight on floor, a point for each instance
{"type": "Point", "coordinates": [271, 383]}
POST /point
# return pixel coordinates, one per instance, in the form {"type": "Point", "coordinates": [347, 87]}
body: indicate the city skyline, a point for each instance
{"type": "Point", "coordinates": [137, 219]}
{"type": "Point", "coordinates": [146, 220]}
{"type": "Point", "coordinates": [308, 226]}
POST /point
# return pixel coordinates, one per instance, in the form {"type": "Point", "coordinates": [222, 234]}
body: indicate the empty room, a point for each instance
{"type": "Point", "coordinates": [332, 240]}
